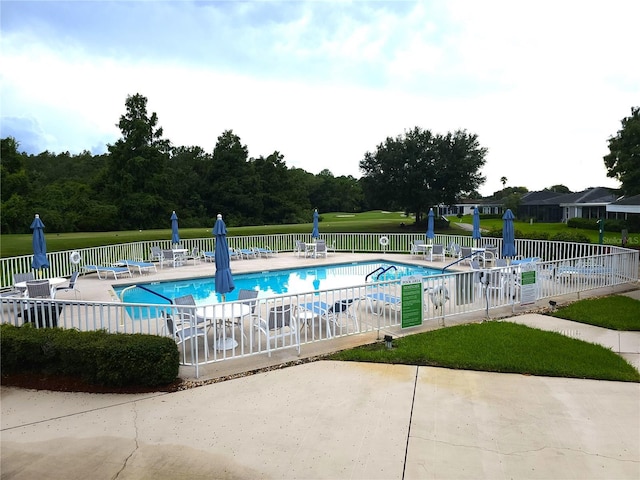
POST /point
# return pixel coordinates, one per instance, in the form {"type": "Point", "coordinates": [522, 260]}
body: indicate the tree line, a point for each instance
{"type": "Point", "coordinates": [143, 178]}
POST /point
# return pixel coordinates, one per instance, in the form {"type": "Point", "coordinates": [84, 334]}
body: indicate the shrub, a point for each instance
{"type": "Point", "coordinates": [98, 357]}
{"type": "Point", "coordinates": [610, 225]}
{"type": "Point", "coordinates": [570, 237]}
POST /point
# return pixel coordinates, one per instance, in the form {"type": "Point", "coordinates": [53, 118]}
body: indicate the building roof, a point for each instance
{"type": "Point", "coordinates": [625, 205]}
{"type": "Point", "coordinates": [544, 197]}
{"type": "Point", "coordinates": [599, 195]}
{"type": "Point", "coordinates": [596, 195]}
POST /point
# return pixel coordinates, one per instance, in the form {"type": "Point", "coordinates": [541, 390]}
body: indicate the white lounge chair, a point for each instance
{"type": "Point", "coordinates": [141, 266]}
{"type": "Point", "coordinates": [264, 252]}
{"type": "Point", "coordinates": [104, 270]}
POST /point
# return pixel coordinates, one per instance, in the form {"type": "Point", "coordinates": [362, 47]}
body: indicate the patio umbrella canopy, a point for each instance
{"type": "Point", "coordinates": [508, 235]}
{"type": "Point", "coordinates": [430, 233]}
{"type": "Point", "coordinates": [476, 225]}
{"type": "Point", "coordinates": [175, 236]}
{"type": "Point", "coordinates": [39, 245]}
{"type": "Point", "coordinates": [224, 279]}
{"type": "Point", "coordinates": [315, 233]}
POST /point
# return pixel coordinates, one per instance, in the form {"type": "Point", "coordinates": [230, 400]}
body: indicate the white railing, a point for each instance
{"type": "Point", "coordinates": [61, 266]}
{"type": "Point", "coordinates": [572, 269]}
{"type": "Point", "coordinates": [565, 268]}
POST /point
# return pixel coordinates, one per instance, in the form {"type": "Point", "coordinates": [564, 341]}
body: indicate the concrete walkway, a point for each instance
{"type": "Point", "coordinates": [337, 420]}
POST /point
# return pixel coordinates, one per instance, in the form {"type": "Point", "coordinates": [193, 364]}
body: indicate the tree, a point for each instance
{"type": "Point", "coordinates": [503, 180]}
{"type": "Point", "coordinates": [418, 170]}
{"type": "Point", "coordinates": [623, 160]}
{"type": "Point", "coordinates": [558, 189]}
{"type": "Point", "coordinates": [507, 191]}
{"type": "Point", "coordinates": [232, 182]}
{"type": "Point", "coordinates": [135, 177]}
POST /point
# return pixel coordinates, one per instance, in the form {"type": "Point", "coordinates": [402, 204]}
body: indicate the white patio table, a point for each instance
{"type": "Point", "coordinates": [53, 283]}
{"type": "Point", "coordinates": [225, 314]}
{"type": "Point", "coordinates": [179, 254]}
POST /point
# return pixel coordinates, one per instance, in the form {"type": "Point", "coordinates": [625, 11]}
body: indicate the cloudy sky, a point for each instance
{"type": "Point", "coordinates": [543, 84]}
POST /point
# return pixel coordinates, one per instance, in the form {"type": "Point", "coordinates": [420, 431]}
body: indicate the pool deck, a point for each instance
{"type": "Point", "coordinates": [334, 420]}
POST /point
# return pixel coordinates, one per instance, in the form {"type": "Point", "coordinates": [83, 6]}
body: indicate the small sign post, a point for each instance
{"type": "Point", "coordinates": [528, 285]}
{"type": "Point", "coordinates": [412, 299]}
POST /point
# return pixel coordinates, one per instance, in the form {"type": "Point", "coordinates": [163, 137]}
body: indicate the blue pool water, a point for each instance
{"type": "Point", "coordinates": [274, 282]}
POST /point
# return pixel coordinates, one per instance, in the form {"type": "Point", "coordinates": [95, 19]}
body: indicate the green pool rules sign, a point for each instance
{"type": "Point", "coordinates": [528, 284]}
{"type": "Point", "coordinates": [412, 299]}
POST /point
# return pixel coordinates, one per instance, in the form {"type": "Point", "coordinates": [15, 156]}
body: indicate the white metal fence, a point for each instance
{"type": "Point", "coordinates": [565, 268]}
{"type": "Point", "coordinates": [61, 266]}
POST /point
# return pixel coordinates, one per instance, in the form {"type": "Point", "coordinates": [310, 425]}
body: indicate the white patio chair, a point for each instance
{"type": "Point", "coordinates": [300, 249]}
{"type": "Point", "coordinates": [22, 277]}
{"type": "Point", "coordinates": [437, 251]}
{"type": "Point", "coordinates": [321, 249]}
{"type": "Point", "coordinates": [156, 254]}
{"type": "Point", "coordinates": [280, 326]}
{"type": "Point", "coordinates": [194, 256]}
{"type": "Point", "coordinates": [168, 256]}
{"type": "Point", "coordinates": [38, 289]}
{"type": "Point", "coordinates": [184, 329]}
{"type": "Point", "coordinates": [71, 286]}
{"type": "Point", "coordinates": [418, 247]}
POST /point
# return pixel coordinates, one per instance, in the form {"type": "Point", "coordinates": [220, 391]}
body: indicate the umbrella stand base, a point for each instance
{"type": "Point", "coordinates": [226, 344]}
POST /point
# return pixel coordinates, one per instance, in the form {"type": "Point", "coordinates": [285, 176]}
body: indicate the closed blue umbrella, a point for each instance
{"type": "Point", "coordinates": [430, 233]}
{"type": "Point", "coordinates": [224, 279]}
{"type": "Point", "coordinates": [315, 233]}
{"type": "Point", "coordinates": [508, 235]}
{"type": "Point", "coordinates": [476, 225]}
{"type": "Point", "coordinates": [39, 245]}
{"type": "Point", "coordinates": [175, 236]}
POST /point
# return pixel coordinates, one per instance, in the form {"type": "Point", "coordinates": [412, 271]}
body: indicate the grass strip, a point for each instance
{"type": "Point", "coordinates": [503, 347]}
{"type": "Point", "coordinates": [616, 312]}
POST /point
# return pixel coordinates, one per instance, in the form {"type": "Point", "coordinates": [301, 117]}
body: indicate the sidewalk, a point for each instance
{"type": "Point", "coordinates": [338, 420]}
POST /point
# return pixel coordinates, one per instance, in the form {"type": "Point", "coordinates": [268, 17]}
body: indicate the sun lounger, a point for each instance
{"type": "Point", "coordinates": [247, 253]}
{"type": "Point", "coordinates": [384, 298]}
{"type": "Point", "coordinates": [264, 252]}
{"type": "Point", "coordinates": [520, 261]}
{"type": "Point", "coordinates": [582, 270]}
{"type": "Point", "coordinates": [141, 266]}
{"type": "Point", "coordinates": [103, 270]}
{"type": "Point", "coordinates": [209, 256]}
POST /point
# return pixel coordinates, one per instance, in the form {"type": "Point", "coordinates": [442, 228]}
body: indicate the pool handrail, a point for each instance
{"type": "Point", "coordinates": [457, 261]}
{"type": "Point", "coordinates": [385, 271]}
{"type": "Point", "coordinates": [146, 290]}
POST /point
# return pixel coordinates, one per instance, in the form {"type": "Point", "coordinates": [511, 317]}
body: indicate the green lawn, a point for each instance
{"type": "Point", "coordinates": [613, 238]}
{"type": "Point", "coordinates": [335, 222]}
{"type": "Point", "coordinates": [512, 348]}
{"type": "Point", "coordinates": [616, 312]}
{"type": "Point", "coordinates": [499, 347]}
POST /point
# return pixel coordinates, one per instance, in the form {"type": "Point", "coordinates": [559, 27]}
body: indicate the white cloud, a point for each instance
{"type": "Point", "coordinates": [543, 84]}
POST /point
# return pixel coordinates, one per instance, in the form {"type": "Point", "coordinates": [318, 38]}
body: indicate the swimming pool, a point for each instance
{"type": "Point", "coordinates": [274, 282]}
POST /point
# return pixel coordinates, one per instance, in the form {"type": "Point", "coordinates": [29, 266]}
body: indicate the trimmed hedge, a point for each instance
{"type": "Point", "coordinates": [610, 225]}
{"type": "Point", "coordinates": [560, 236]}
{"type": "Point", "coordinates": [98, 357]}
